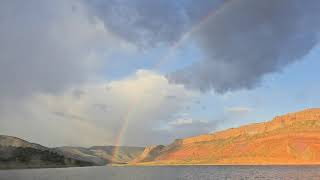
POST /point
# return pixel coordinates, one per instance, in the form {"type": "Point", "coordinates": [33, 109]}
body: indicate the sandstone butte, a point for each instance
{"type": "Point", "coordinates": [290, 139]}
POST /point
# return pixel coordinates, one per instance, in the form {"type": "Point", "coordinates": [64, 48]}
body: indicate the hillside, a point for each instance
{"type": "Point", "coordinates": [290, 139]}
{"type": "Point", "coordinates": [17, 142]}
{"type": "Point", "coordinates": [18, 153]}
{"type": "Point", "coordinates": [101, 155]}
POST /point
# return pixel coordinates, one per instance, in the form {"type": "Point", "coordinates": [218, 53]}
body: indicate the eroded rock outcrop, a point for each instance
{"type": "Point", "coordinates": [149, 153]}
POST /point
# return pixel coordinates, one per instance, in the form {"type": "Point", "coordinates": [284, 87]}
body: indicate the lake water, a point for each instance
{"type": "Point", "coordinates": [167, 173]}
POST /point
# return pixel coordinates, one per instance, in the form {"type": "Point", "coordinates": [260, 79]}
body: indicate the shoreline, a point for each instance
{"type": "Point", "coordinates": [159, 165]}
{"type": "Point", "coordinates": [42, 167]}
{"type": "Point", "coordinates": [163, 165]}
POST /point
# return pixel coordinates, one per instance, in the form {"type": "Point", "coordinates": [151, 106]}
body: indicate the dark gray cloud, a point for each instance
{"type": "Point", "coordinates": [242, 40]}
{"type": "Point", "coordinates": [45, 46]}
{"type": "Point", "coordinates": [245, 40]}
{"type": "Point", "coordinates": [143, 22]}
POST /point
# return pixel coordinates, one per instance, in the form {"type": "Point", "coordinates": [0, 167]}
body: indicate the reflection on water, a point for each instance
{"type": "Point", "coordinates": [168, 173]}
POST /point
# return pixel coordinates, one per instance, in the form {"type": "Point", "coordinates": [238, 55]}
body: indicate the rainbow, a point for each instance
{"type": "Point", "coordinates": [160, 63]}
{"type": "Point", "coordinates": [123, 129]}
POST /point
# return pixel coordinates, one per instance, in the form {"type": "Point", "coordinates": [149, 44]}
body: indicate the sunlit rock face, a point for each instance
{"type": "Point", "coordinates": [149, 154]}
{"type": "Point", "coordinates": [290, 139]}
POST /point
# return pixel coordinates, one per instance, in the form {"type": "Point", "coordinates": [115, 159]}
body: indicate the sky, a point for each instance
{"type": "Point", "coordinates": [141, 72]}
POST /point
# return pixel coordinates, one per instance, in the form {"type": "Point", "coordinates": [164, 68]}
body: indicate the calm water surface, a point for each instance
{"type": "Point", "coordinates": [167, 173]}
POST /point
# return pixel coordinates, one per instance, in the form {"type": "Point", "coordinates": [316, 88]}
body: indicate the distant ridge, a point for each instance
{"type": "Point", "coordinates": [19, 153]}
{"type": "Point", "coordinates": [102, 155]}
{"type": "Point", "coordinates": [17, 142]}
{"type": "Point", "coordinates": [293, 138]}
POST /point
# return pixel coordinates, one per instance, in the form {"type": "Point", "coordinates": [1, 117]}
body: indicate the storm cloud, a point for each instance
{"type": "Point", "coordinates": [47, 46]}
{"type": "Point", "coordinates": [143, 22]}
{"type": "Point", "coordinates": [242, 40]}
{"type": "Point", "coordinates": [247, 39]}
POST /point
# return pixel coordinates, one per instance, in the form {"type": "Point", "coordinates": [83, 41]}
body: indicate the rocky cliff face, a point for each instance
{"type": "Point", "coordinates": [150, 153]}
{"type": "Point", "coordinates": [290, 139]}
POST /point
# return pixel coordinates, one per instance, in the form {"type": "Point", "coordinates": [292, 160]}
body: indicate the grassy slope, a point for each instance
{"type": "Point", "coordinates": [28, 157]}
{"type": "Point", "coordinates": [102, 155]}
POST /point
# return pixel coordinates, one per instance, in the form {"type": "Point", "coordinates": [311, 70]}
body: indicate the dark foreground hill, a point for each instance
{"type": "Point", "coordinates": [18, 153]}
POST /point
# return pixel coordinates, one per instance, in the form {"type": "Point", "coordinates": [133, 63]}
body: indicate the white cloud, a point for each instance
{"type": "Point", "coordinates": [182, 121]}
{"type": "Point", "coordinates": [186, 121]}
{"type": "Point", "coordinates": [93, 114]}
{"type": "Point", "coordinates": [186, 126]}
{"type": "Point", "coordinates": [238, 110]}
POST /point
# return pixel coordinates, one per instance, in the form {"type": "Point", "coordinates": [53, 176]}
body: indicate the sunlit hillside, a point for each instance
{"type": "Point", "coordinates": [290, 139]}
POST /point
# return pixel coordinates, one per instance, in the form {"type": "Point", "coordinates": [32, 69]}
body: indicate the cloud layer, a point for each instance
{"type": "Point", "coordinates": [242, 40]}
{"type": "Point", "coordinates": [142, 22]}
{"type": "Point", "coordinates": [47, 46]}
{"type": "Point", "coordinates": [96, 113]}
{"type": "Point", "coordinates": [245, 40]}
